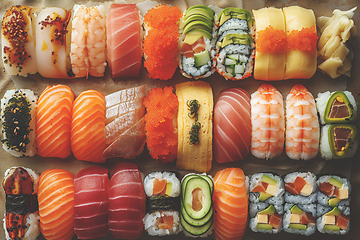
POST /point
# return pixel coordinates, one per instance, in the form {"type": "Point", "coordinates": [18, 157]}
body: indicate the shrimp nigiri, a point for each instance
{"type": "Point", "coordinates": [230, 204]}
{"type": "Point", "coordinates": [302, 124]}
{"type": "Point", "coordinates": [268, 123]}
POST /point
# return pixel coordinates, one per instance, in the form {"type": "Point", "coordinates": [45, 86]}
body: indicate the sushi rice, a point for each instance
{"type": "Point", "coordinates": [170, 178]}
{"type": "Point", "coordinates": [277, 199]}
{"type": "Point", "coordinates": [310, 178]}
{"type": "Point", "coordinates": [150, 220]}
{"type": "Point", "coordinates": [311, 228]}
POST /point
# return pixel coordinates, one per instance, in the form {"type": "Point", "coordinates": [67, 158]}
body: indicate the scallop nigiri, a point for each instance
{"type": "Point", "coordinates": [91, 202]}
{"type": "Point", "coordinates": [18, 41]}
{"type": "Point", "coordinates": [56, 204]}
{"type": "Point", "coordinates": [302, 124]}
{"type": "Point", "coordinates": [232, 125]}
{"type": "Point", "coordinates": [53, 126]}
{"type": "Point", "coordinates": [268, 122]}
{"type": "Point", "coordinates": [230, 204]}
{"type": "Point", "coordinates": [87, 126]}
{"type": "Point", "coordinates": [53, 42]}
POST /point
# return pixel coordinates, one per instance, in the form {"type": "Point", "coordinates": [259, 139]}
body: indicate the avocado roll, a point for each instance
{"type": "Point", "coordinates": [265, 217]}
{"type": "Point", "coordinates": [197, 42]}
{"type": "Point", "coordinates": [334, 191]}
{"type": "Point", "coordinates": [338, 141]}
{"type": "Point", "coordinates": [336, 107]}
{"type": "Point", "coordinates": [333, 220]}
{"type": "Point", "coordinates": [18, 111]}
{"type": "Point", "coordinates": [266, 187]}
{"type": "Point", "coordinates": [299, 218]}
{"type": "Point", "coordinates": [161, 223]}
{"type": "Point", "coordinates": [300, 188]}
{"type": "Point", "coordinates": [234, 48]}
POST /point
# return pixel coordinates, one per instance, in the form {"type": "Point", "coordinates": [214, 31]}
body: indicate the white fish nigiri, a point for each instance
{"type": "Point", "coordinates": [53, 42]}
{"type": "Point", "coordinates": [302, 124]}
{"type": "Point", "coordinates": [268, 122]}
{"type": "Point", "coordinates": [18, 41]}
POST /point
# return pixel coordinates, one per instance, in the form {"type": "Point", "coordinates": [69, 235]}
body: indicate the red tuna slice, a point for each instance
{"type": "Point", "coordinates": [126, 193]}
{"type": "Point", "coordinates": [342, 221]}
{"type": "Point", "coordinates": [91, 202]}
{"type": "Point", "coordinates": [307, 218]}
{"type": "Point", "coordinates": [232, 125]}
{"type": "Point", "coordinates": [327, 189]}
{"type": "Point", "coordinates": [123, 40]}
{"type": "Point", "coordinates": [295, 187]}
{"type": "Point", "coordinates": [274, 220]}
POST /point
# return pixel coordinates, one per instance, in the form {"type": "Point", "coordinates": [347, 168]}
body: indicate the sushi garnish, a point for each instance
{"type": "Point", "coordinates": [341, 138]}
{"type": "Point", "coordinates": [339, 109]}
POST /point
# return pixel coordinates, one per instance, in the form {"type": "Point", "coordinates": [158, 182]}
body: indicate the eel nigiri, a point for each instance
{"type": "Point", "coordinates": [87, 126]}
{"type": "Point", "coordinates": [53, 121]}
{"type": "Point", "coordinates": [18, 41]}
{"type": "Point", "coordinates": [268, 122]}
{"type": "Point", "coordinates": [302, 124]}
{"type": "Point", "coordinates": [126, 202]}
{"type": "Point", "coordinates": [232, 125]}
{"type": "Point", "coordinates": [56, 204]}
{"type": "Point", "coordinates": [123, 32]}
{"type": "Point", "coordinates": [91, 202]}
{"type": "Point", "coordinates": [230, 204]}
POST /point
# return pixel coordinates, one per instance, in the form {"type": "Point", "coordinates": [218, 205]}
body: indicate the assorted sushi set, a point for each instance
{"type": "Point", "coordinates": [147, 148]}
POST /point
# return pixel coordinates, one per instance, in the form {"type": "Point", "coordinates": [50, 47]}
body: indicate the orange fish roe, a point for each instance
{"type": "Point", "coordinates": [304, 40]}
{"type": "Point", "coordinates": [161, 106]}
{"type": "Point", "coordinates": [161, 42]}
{"type": "Point", "coordinates": [271, 40]}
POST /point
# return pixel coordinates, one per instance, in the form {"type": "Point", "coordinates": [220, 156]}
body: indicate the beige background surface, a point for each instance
{"type": "Point", "coordinates": [349, 168]}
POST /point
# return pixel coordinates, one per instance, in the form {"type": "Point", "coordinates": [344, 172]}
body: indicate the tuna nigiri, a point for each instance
{"type": "Point", "coordinates": [53, 126]}
{"type": "Point", "coordinates": [230, 204]}
{"type": "Point", "coordinates": [126, 202]}
{"type": "Point", "coordinates": [268, 123]}
{"type": "Point", "coordinates": [232, 125]}
{"type": "Point", "coordinates": [302, 124]}
{"type": "Point", "coordinates": [56, 204]}
{"type": "Point", "coordinates": [123, 32]}
{"type": "Point", "coordinates": [91, 202]}
{"type": "Point", "coordinates": [87, 126]}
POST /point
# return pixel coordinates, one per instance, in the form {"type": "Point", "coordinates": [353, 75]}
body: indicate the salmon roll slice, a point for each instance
{"type": "Point", "coordinates": [56, 204]}
{"type": "Point", "coordinates": [53, 127]}
{"type": "Point", "coordinates": [230, 204]}
{"type": "Point", "coordinates": [18, 41]}
{"type": "Point", "coordinates": [87, 126]}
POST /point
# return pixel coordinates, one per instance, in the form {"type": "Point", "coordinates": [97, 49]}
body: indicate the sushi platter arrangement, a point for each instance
{"type": "Point", "coordinates": [179, 119]}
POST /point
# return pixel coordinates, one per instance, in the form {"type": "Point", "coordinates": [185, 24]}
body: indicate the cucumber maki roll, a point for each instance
{"type": "Point", "coordinates": [334, 191]}
{"type": "Point", "coordinates": [338, 141]}
{"type": "Point", "coordinates": [300, 188]}
{"type": "Point", "coordinates": [161, 223]}
{"type": "Point", "coordinates": [299, 218]}
{"type": "Point", "coordinates": [18, 111]}
{"type": "Point", "coordinates": [266, 218]}
{"type": "Point", "coordinates": [266, 187]}
{"type": "Point", "coordinates": [234, 48]}
{"type": "Point", "coordinates": [336, 107]}
{"type": "Point", "coordinates": [333, 220]}
{"type": "Point", "coordinates": [196, 42]}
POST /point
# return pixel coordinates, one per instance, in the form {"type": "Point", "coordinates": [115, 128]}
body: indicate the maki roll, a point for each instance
{"type": "Point", "coordinates": [336, 107]}
{"type": "Point", "coordinates": [196, 42]}
{"type": "Point", "coordinates": [299, 218]}
{"type": "Point", "coordinates": [21, 211]}
{"type": "Point", "coordinates": [338, 141]}
{"type": "Point", "coordinates": [333, 220]}
{"type": "Point", "coordinates": [18, 41]}
{"type": "Point", "coordinates": [196, 214]}
{"type": "Point", "coordinates": [300, 188]}
{"type": "Point", "coordinates": [234, 45]}
{"type": "Point", "coordinates": [161, 223]}
{"type": "Point", "coordinates": [18, 111]}
{"type": "Point", "coordinates": [266, 187]}
{"type": "Point", "coordinates": [333, 191]}
{"type": "Point", "coordinates": [265, 217]}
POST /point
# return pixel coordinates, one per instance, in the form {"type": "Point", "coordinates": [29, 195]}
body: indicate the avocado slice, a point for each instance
{"type": "Point", "coordinates": [269, 210]}
{"type": "Point", "coordinates": [331, 227]}
{"type": "Point", "coordinates": [235, 38]}
{"type": "Point", "coordinates": [296, 210]}
{"type": "Point", "coordinates": [264, 226]}
{"type": "Point", "coordinates": [297, 226]}
{"type": "Point", "coordinates": [333, 202]}
{"type": "Point", "coordinates": [195, 230]}
{"type": "Point", "coordinates": [344, 112]}
{"type": "Point", "coordinates": [195, 34]}
{"type": "Point", "coordinates": [269, 180]}
{"type": "Point", "coordinates": [194, 187]}
{"type": "Point", "coordinates": [264, 196]}
{"type": "Point", "coordinates": [335, 182]}
{"type": "Point", "coordinates": [232, 12]}
{"type": "Point", "coordinates": [196, 222]}
{"type": "Point", "coordinates": [201, 10]}
{"type": "Point", "coordinates": [197, 24]}
{"type": "Point", "coordinates": [334, 212]}
{"type": "Point", "coordinates": [341, 138]}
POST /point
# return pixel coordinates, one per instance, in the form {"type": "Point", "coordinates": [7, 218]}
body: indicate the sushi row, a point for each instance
{"type": "Point", "coordinates": [60, 43]}
{"type": "Point", "coordinates": [299, 203]}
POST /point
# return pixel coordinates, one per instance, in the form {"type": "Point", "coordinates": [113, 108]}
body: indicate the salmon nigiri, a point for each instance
{"type": "Point", "coordinates": [87, 127]}
{"type": "Point", "coordinates": [230, 204]}
{"type": "Point", "coordinates": [53, 124]}
{"type": "Point", "coordinates": [56, 204]}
